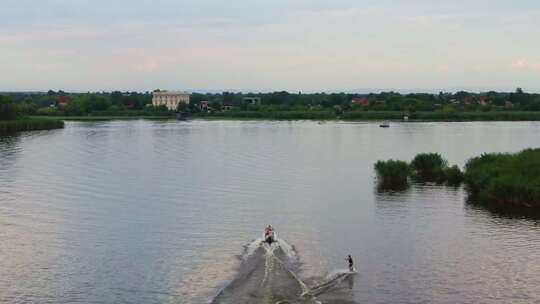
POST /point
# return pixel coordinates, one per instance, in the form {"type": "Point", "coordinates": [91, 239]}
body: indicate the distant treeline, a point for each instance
{"type": "Point", "coordinates": [384, 101]}
{"type": "Point", "coordinates": [29, 124]}
{"type": "Point", "coordinates": [14, 119]}
{"type": "Point", "coordinates": [346, 104]}
{"type": "Point", "coordinates": [506, 180]}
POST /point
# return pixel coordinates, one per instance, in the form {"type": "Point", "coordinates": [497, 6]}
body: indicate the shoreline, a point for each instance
{"type": "Point", "coordinates": [323, 116]}
{"type": "Point", "coordinates": [378, 116]}
{"type": "Point", "coordinates": [102, 117]}
{"type": "Point", "coordinates": [29, 124]}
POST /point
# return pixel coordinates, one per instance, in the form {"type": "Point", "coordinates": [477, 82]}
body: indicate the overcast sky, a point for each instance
{"type": "Point", "coordinates": [266, 45]}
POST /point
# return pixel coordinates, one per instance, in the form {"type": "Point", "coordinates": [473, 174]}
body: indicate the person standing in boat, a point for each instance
{"type": "Point", "coordinates": [267, 230]}
{"type": "Point", "coordinates": [351, 263]}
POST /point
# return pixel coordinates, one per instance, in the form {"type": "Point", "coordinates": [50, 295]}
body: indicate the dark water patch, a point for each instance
{"type": "Point", "coordinates": [503, 210]}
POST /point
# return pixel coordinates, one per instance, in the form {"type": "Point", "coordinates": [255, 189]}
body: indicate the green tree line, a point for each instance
{"type": "Point", "coordinates": [65, 103]}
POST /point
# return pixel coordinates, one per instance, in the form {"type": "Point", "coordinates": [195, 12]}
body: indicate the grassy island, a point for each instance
{"type": "Point", "coordinates": [392, 174]}
{"type": "Point", "coordinates": [12, 120]}
{"type": "Point", "coordinates": [505, 180]}
{"type": "Point", "coordinates": [425, 167]}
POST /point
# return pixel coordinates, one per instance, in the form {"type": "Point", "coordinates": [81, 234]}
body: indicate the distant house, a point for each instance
{"type": "Point", "coordinates": [483, 100]}
{"type": "Point", "coordinates": [252, 100]}
{"type": "Point", "coordinates": [508, 104]}
{"type": "Point", "coordinates": [204, 106]}
{"type": "Point", "coordinates": [361, 101]}
{"type": "Point", "coordinates": [169, 99]}
{"type": "Point", "coordinates": [227, 106]}
{"type": "Point", "coordinates": [63, 101]}
{"type": "Point", "coordinates": [468, 100]}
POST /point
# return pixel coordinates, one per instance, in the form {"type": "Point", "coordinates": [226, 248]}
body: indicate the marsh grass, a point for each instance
{"type": "Point", "coordinates": [29, 124]}
{"type": "Point", "coordinates": [510, 180]}
{"type": "Point", "coordinates": [392, 174]}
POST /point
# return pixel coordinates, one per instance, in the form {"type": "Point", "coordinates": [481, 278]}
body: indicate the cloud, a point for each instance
{"type": "Point", "coordinates": [525, 64]}
{"type": "Point", "coordinates": [296, 44]}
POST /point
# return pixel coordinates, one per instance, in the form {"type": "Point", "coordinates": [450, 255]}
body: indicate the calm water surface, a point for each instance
{"type": "Point", "coordinates": [166, 212]}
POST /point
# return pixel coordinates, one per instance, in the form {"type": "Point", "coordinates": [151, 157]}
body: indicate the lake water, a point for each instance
{"type": "Point", "coordinates": [170, 212]}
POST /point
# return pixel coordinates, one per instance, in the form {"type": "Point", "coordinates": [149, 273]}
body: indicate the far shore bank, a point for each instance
{"type": "Point", "coordinates": [325, 115]}
{"type": "Point", "coordinates": [29, 124]}
{"type": "Point", "coordinates": [103, 117]}
{"type": "Point", "coordinates": [373, 115]}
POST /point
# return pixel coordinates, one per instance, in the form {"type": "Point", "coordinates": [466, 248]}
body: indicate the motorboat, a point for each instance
{"type": "Point", "coordinates": [384, 125]}
{"type": "Point", "coordinates": [270, 235]}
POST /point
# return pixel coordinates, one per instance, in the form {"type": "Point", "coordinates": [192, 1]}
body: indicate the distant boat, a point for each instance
{"type": "Point", "coordinates": [384, 125]}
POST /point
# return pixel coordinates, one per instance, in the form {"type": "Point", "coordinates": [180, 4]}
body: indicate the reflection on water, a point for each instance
{"type": "Point", "coordinates": [502, 211]}
{"type": "Point", "coordinates": [159, 212]}
{"type": "Point", "coordinates": [9, 148]}
{"type": "Point", "coordinates": [466, 248]}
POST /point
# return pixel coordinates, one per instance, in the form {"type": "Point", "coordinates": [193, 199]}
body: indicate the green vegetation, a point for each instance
{"type": "Point", "coordinates": [505, 180]}
{"type": "Point", "coordinates": [392, 174]}
{"type": "Point", "coordinates": [443, 116]}
{"type": "Point", "coordinates": [375, 115]}
{"type": "Point", "coordinates": [354, 106]}
{"type": "Point", "coordinates": [280, 115]}
{"type": "Point", "coordinates": [429, 167]}
{"type": "Point", "coordinates": [8, 109]}
{"type": "Point", "coordinates": [509, 181]}
{"type": "Point", "coordinates": [103, 117]}
{"type": "Point", "coordinates": [425, 167]}
{"type": "Point", "coordinates": [453, 175]}
{"type": "Point", "coordinates": [432, 167]}
{"type": "Point", "coordinates": [458, 106]}
{"type": "Point", "coordinates": [12, 118]}
{"type": "Point", "coordinates": [29, 124]}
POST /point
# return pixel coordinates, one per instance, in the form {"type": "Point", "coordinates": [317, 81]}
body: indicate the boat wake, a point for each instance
{"type": "Point", "coordinates": [269, 274]}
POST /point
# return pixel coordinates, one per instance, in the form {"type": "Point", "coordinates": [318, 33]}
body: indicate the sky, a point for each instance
{"type": "Point", "coordinates": [270, 45]}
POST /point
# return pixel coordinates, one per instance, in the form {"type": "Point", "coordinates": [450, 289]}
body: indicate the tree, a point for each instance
{"type": "Point", "coordinates": [99, 103]}
{"type": "Point", "coordinates": [429, 166]}
{"type": "Point", "coordinates": [7, 108]}
{"type": "Point", "coordinates": [228, 98]}
{"type": "Point", "coordinates": [116, 98]}
{"type": "Point", "coordinates": [519, 97]}
{"type": "Point", "coordinates": [26, 107]}
{"type": "Point", "coordinates": [461, 95]}
{"type": "Point", "coordinates": [182, 107]}
{"type": "Point", "coordinates": [215, 105]}
{"type": "Point", "coordinates": [75, 108]}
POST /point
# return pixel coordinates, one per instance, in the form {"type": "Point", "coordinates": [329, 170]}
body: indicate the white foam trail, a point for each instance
{"type": "Point", "coordinates": [270, 254]}
{"type": "Point", "coordinates": [287, 249]}
{"type": "Point", "coordinates": [331, 280]}
{"type": "Point", "coordinates": [268, 263]}
{"type": "Point", "coordinates": [251, 247]}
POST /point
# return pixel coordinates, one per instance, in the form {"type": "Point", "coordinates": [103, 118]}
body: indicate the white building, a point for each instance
{"type": "Point", "coordinates": [170, 99]}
